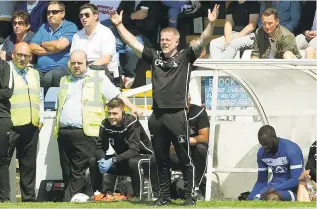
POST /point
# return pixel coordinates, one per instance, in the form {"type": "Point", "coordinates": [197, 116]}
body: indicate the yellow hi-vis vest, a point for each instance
{"type": "Point", "coordinates": [25, 101]}
{"type": "Point", "coordinates": [93, 103]}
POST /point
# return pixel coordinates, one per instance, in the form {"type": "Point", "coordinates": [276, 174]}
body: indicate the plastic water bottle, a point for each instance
{"type": "Point", "coordinates": [310, 187]}
{"type": "Point", "coordinates": [97, 195]}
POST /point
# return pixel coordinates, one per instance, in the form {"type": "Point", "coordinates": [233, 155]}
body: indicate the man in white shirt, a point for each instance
{"type": "Point", "coordinates": [97, 41]}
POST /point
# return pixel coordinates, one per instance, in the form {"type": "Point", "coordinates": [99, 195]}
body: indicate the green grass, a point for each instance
{"type": "Point", "coordinates": [138, 204]}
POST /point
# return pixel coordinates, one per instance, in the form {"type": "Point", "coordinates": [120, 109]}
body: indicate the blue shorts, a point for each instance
{"type": "Point", "coordinates": [287, 195]}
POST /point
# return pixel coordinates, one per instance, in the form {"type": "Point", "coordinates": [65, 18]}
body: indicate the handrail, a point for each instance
{"type": "Point", "coordinates": [138, 90]}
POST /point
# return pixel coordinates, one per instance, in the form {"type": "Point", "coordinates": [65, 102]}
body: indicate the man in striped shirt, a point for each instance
{"type": "Point", "coordinates": [285, 158]}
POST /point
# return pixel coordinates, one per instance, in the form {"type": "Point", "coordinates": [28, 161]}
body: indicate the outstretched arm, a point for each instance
{"type": "Point", "coordinates": [206, 35]}
{"type": "Point", "coordinates": [126, 36]}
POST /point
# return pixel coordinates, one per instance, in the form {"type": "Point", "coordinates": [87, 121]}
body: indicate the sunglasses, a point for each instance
{"type": "Point", "coordinates": [19, 23]}
{"type": "Point", "coordinates": [81, 15]}
{"type": "Point", "coordinates": [54, 12]}
{"type": "Point", "coordinates": [20, 55]}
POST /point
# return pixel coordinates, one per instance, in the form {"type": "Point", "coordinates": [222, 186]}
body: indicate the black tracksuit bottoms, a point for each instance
{"type": "Point", "coordinates": [128, 167]}
{"type": "Point", "coordinates": [5, 131]}
{"type": "Point", "coordinates": [170, 126]}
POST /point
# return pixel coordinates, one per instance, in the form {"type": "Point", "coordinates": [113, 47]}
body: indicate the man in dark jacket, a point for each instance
{"type": "Point", "coordinates": [6, 91]}
{"type": "Point", "coordinates": [131, 145]}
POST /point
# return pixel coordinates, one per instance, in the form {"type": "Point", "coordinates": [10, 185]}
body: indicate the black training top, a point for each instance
{"type": "Point", "coordinates": [170, 77]}
{"type": "Point", "coordinates": [197, 120]}
{"type": "Point", "coordinates": [6, 89]}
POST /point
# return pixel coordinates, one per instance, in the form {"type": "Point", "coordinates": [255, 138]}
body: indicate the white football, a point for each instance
{"type": "Point", "coordinates": [80, 197]}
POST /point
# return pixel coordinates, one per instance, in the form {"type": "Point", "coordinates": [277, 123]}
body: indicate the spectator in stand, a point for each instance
{"type": "Point", "coordinates": [273, 40]}
{"type": "Point", "coordinates": [142, 19]}
{"type": "Point", "coordinates": [308, 175]}
{"type": "Point", "coordinates": [6, 12]}
{"type": "Point", "coordinates": [37, 12]}
{"type": "Point", "coordinates": [52, 43]}
{"type": "Point", "coordinates": [288, 11]}
{"type": "Point", "coordinates": [241, 21]}
{"type": "Point", "coordinates": [21, 33]}
{"type": "Point", "coordinates": [307, 26]}
{"type": "Point", "coordinates": [285, 158]}
{"type": "Point", "coordinates": [97, 41]}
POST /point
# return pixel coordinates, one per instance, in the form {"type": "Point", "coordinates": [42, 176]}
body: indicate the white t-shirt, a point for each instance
{"type": "Point", "coordinates": [104, 7]}
{"type": "Point", "coordinates": [100, 43]}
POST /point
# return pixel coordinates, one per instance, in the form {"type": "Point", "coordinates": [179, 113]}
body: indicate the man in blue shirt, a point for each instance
{"type": "Point", "coordinates": [285, 158]}
{"type": "Point", "coordinates": [52, 44]}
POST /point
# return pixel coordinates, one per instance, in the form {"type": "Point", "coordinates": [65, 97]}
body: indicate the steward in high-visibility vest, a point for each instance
{"type": "Point", "coordinates": [27, 114]}
{"type": "Point", "coordinates": [93, 104]}
{"type": "Point", "coordinates": [25, 101]}
{"type": "Point", "coordinates": [81, 109]}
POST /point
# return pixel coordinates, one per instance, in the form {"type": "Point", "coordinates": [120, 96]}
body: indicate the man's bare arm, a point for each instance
{"type": "Point", "coordinates": [126, 36]}
{"type": "Point", "coordinates": [206, 35]}
{"type": "Point", "coordinates": [38, 50]}
{"type": "Point", "coordinates": [56, 46]}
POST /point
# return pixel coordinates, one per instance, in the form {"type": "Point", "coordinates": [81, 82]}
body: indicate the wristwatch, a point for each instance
{"type": "Point", "coordinates": [114, 160]}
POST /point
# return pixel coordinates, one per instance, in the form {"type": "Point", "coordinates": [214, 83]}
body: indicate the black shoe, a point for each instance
{"type": "Point", "coordinates": [189, 202]}
{"type": "Point", "coordinates": [161, 202]}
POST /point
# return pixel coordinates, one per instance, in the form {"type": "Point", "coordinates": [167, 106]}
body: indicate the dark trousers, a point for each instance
{"type": "Point", "coordinates": [199, 157]}
{"type": "Point", "coordinates": [75, 150]}
{"type": "Point", "coordinates": [5, 130]}
{"type": "Point", "coordinates": [24, 139]}
{"type": "Point", "coordinates": [52, 77]}
{"type": "Point", "coordinates": [170, 126]}
{"type": "Point", "coordinates": [126, 168]}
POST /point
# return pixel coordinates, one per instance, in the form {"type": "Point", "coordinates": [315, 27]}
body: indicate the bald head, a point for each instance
{"type": "Point", "coordinates": [21, 55]}
{"type": "Point", "coordinates": [77, 63]}
{"type": "Point", "coordinates": [79, 53]}
{"type": "Point", "coordinates": [22, 46]}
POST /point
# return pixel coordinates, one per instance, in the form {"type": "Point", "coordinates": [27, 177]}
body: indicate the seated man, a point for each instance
{"type": "Point", "coordinates": [273, 40]}
{"type": "Point", "coordinates": [303, 194]}
{"type": "Point", "coordinates": [198, 125]}
{"type": "Point", "coordinates": [97, 41]}
{"type": "Point", "coordinates": [285, 158]}
{"type": "Point", "coordinates": [288, 11]}
{"type": "Point", "coordinates": [52, 43]}
{"type": "Point", "coordinates": [130, 142]}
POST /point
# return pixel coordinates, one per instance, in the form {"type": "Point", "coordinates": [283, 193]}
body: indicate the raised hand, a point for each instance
{"type": "Point", "coordinates": [115, 18]}
{"type": "Point", "coordinates": [212, 16]}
